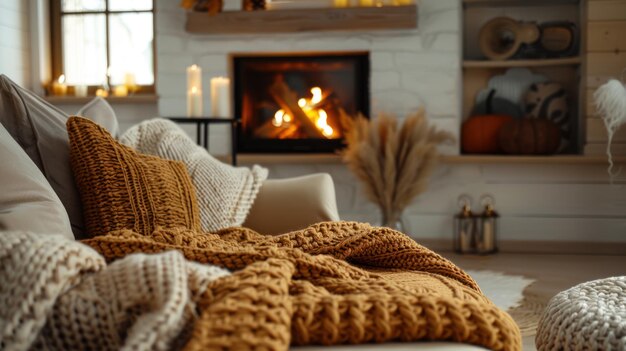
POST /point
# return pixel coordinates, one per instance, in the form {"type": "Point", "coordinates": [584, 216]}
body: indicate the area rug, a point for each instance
{"type": "Point", "coordinates": [508, 293]}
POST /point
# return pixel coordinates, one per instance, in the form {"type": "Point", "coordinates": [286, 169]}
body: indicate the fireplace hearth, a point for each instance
{"type": "Point", "coordinates": [290, 103]}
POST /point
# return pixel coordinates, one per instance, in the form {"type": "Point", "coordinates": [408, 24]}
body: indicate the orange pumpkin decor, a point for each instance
{"type": "Point", "coordinates": [530, 136]}
{"type": "Point", "coordinates": [479, 134]}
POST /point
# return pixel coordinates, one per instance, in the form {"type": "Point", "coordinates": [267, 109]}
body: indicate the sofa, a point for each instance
{"type": "Point", "coordinates": [106, 247]}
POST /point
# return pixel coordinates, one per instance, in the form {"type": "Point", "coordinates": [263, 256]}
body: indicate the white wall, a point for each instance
{"type": "Point", "coordinates": [410, 68]}
{"type": "Point", "coordinates": [537, 202]}
{"type": "Point", "coordinates": [14, 41]}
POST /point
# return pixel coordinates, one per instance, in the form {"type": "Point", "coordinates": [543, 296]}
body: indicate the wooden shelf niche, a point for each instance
{"type": "Point", "coordinates": [567, 71]}
{"type": "Point", "coordinates": [303, 20]}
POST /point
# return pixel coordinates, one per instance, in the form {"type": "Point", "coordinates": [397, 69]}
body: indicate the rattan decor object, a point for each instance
{"type": "Point", "coordinates": [502, 37]}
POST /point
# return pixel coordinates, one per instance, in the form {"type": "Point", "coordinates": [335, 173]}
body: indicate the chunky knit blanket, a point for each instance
{"type": "Point", "coordinates": [225, 194]}
{"type": "Point", "coordinates": [59, 294]}
{"type": "Point", "coordinates": [332, 283]}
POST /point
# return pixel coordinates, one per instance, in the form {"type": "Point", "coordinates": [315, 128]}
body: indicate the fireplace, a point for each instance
{"type": "Point", "coordinates": [292, 102]}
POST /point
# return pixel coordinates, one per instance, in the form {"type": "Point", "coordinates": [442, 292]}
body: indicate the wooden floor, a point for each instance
{"type": "Point", "coordinates": [553, 273]}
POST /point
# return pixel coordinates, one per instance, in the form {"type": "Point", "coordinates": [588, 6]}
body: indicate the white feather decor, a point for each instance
{"type": "Point", "coordinates": [610, 100]}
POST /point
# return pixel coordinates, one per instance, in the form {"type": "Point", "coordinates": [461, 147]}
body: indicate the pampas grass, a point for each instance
{"type": "Point", "coordinates": [610, 100]}
{"type": "Point", "coordinates": [393, 162]}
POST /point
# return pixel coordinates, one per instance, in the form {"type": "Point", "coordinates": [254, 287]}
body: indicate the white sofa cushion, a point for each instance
{"type": "Point", "coordinates": [27, 201]}
{"type": "Point", "coordinates": [285, 205]}
{"type": "Point", "coordinates": [39, 129]}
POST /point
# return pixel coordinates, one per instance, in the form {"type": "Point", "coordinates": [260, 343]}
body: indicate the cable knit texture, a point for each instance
{"type": "Point", "coordinates": [331, 283]}
{"type": "Point", "coordinates": [49, 302]}
{"type": "Point", "coordinates": [122, 189]}
{"type": "Point", "coordinates": [589, 316]}
{"type": "Point", "coordinates": [225, 193]}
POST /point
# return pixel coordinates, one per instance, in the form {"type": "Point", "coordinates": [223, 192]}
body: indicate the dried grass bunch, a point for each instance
{"type": "Point", "coordinates": [394, 163]}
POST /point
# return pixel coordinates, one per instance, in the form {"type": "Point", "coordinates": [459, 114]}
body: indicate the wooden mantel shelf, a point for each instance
{"type": "Point", "coordinates": [303, 20]}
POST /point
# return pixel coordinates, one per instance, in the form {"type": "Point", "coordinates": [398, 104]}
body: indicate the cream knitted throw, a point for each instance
{"type": "Point", "coordinates": [59, 294]}
{"type": "Point", "coordinates": [225, 194]}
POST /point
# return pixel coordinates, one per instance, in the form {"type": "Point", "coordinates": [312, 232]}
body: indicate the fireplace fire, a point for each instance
{"type": "Point", "coordinates": [291, 103]}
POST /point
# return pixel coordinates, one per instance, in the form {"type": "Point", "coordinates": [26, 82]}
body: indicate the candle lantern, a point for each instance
{"type": "Point", "coordinates": [487, 227]}
{"type": "Point", "coordinates": [464, 227]}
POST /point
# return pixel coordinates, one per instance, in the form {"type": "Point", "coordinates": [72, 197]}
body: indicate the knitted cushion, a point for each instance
{"type": "Point", "coordinates": [225, 193]}
{"type": "Point", "coordinates": [122, 189]}
{"type": "Point", "coordinates": [589, 316]}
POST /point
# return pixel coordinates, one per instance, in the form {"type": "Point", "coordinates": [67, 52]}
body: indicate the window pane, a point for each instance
{"type": "Point", "coordinates": [130, 5]}
{"type": "Point", "coordinates": [82, 5]}
{"type": "Point", "coordinates": [130, 37]}
{"type": "Point", "coordinates": [84, 49]}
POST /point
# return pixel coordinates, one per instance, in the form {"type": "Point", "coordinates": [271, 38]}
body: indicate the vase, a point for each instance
{"type": "Point", "coordinates": [395, 221]}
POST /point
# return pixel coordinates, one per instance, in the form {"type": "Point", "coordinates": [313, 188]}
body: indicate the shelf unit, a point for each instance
{"type": "Point", "coordinates": [573, 61]}
{"type": "Point", "coordinates": [568, 71]}
{"type": "Point", "coordinates": [303, 20]}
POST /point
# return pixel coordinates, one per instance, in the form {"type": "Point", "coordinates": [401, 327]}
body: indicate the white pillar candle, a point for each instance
{"type": "Point", "coordinates": [80, 90]}
{"type": "Point", "coordinates": [59, 87]}
{"type": "Point", "coordinates": [120, 91]}
{"type": "Point", "coordinates": [102, 93]}
{"type": "Point", "coordinates": [130, 83]}
{"type": "Point", "coordinates": [220, 97]}
{"type": "Point", "coordinates": [194, 77]}
{"type": "Point", "coordinates": [194, 91]}
{"type": "Point", "coordinates": [194, 102]}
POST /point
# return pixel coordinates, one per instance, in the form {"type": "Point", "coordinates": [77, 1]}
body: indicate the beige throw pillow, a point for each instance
{"type": "Point", "coordinates": [225, 193]}
{"type": "Point", "coordinates": [99, 111]}
{"type": "Point", "coordinates": [27, 202]}
{"type": "Point", "coordinates": [39, 129]}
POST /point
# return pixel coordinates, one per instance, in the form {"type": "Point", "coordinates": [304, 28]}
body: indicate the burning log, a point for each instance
{"type": "Point", "coordinates": [288, 101]}
{"type": "Point", "coordinates": [288, 132]}
{"type": "Point", "coordinates": [269, 130]}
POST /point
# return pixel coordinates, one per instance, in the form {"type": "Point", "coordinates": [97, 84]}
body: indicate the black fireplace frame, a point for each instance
{"type": "Point", "coordinates": [245, 144]}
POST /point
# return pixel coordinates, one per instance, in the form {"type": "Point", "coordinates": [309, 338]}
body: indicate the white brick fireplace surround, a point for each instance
{"type": "Point", "coordinates": [549, 202]}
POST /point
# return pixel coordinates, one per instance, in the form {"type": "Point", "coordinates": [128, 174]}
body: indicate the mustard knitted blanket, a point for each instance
{"type": "Point", "coordinates": [332, 283]}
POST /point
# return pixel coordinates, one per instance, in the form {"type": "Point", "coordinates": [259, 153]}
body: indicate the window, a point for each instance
{"type": "Point", "coordinates": [103, 43]}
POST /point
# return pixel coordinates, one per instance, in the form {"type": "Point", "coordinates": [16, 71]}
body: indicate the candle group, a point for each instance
{"type": "Point", "coordinates": [220, 97]}
{"type": "Point", "coordinates": [220, 94]}
{"type": "Point", "coordinates": [194, 91]}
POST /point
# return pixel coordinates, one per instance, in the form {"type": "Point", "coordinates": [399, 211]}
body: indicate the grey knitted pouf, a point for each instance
{"type": "Point", "coordinates": [589, 316]}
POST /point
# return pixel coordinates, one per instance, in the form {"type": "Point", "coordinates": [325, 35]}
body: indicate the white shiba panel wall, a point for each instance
{"type": "Point", "coordinates": [14, 41]}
